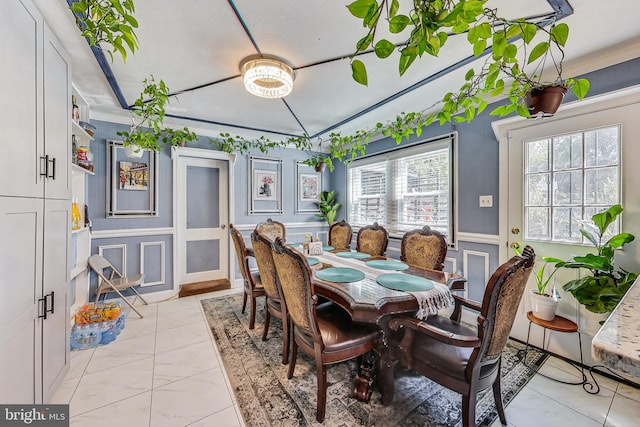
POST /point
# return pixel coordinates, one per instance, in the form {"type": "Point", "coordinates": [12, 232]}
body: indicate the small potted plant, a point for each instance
{"type": "Point", "coordinates": [543, 304]}
{"type": "Point", "coordinates": [328, 206]}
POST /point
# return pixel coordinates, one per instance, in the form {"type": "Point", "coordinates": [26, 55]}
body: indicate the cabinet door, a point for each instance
{"type": "Point", "coordinates": [21, 223]}
{"type": "Point", "coordinates": [55, 328]}
{"type": "Point", "coordinates": [21, 138]}
{"type": "Point", "coordinates": [57, 117]}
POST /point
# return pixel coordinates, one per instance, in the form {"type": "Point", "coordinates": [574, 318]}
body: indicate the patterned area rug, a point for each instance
{"type": "Point", "coordinates": [267, 398]}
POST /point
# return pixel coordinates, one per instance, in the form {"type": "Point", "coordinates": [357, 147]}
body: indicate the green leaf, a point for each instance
{"type": "Point", "coordinates": [383, 48]}
{"type": "Point", "coordinates": [394, 8]}
{"type": "Point", "coordinates": [510, 51]}
{"type": "Point", "coordinates": [560, 33]}
{"type": "Point", "coordinates": [484, 31]}
{"type": "Point", "coordinates": [360, 8]}
{"type": "Point", "coordinates": [469, 74]}
{"type": "Point", "coordinates": [398, 23]}
{"type": "Point", "coordinates": [540, 49]}
{"type": "Point", "coordinates": [364, 42]}
{"type": "Point", "coordinates": [620, 240]}
{"type": "Point", "coordinates": [479, 47]}
{"type": "Point", "coordinates": [406, 59]}
{"type": "Point", "coordinates": [359, 72]}
{"type": "Point", "coordinates": [528, 32]}
{"type": "Point", "coordinates": [581, 88]}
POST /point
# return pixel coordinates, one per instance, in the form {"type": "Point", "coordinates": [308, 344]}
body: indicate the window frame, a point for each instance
{"type": "Point", "coordinates": [449, 141]}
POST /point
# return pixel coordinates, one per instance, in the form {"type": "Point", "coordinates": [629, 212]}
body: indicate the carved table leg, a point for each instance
{"type": "Point", "coordinates": [363, 386]}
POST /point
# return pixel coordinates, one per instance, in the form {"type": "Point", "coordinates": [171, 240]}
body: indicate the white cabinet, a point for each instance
{"type": "Point", "coordinates": [35, 192]}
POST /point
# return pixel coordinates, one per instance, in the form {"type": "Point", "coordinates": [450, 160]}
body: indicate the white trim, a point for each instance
{"type": "Point", "coordinates": [454, 263]}
{"type": "Point", "coordinates": [162, 280]}
{"type": "Point", "coordinates": [489, 239]}
{"type": "Point", "coordinates": [465, 261]}
{"type": "Point", "coordinates": [132, 232]}
{"type": "Point", "coordinates": [288, 225]}
{"type": "Point", "coordinates": [123, 259]}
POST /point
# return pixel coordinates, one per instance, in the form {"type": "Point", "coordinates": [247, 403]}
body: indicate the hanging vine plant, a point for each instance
{"type": "Point", "coordinates": [107, 23]}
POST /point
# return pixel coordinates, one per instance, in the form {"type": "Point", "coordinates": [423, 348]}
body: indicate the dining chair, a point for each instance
{"type": "Point", "coordinates": [340, 235]}
{"type": "Point", "coordinates": [252, 282]}
{"type": "Point", "coordinates": [372, 239]}
{"type": "Point", "coordinates": [272, 229]}
{"type": "Point", "coordinates": [274, 301]}
{"type": "Point", "coordinates": [424, 248]}
{"type": "Point", "coordinates": [115, 281]}
{"type": "Point", "coordinates": [458, 356]}
{"type": "Point", "coordinates": [327, 334]}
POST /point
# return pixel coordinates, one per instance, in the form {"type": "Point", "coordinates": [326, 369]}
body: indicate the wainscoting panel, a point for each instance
{"type": "Point", "coordinates": [152, 263]}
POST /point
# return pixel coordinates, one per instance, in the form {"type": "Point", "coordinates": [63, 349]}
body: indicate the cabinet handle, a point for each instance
{"type": "Point", "coordinates": [53, 168]}
{"type": "Point", "coordinates": [44, 308]}
{"type": "Point", "coordinates": [52, 303]}
{"type": "Point", "coordinates": [46, 166]}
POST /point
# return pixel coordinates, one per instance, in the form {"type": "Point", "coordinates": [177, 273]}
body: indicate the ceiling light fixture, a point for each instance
{"type": "Point", "coordinates": [266, 77]}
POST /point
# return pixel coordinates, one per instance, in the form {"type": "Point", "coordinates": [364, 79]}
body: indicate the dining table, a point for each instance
{"type": "Point", "coordinates": [367, 301]}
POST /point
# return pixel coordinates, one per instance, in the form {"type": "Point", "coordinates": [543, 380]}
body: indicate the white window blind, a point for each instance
{"type": "Point", "coordinates": [404, 189]}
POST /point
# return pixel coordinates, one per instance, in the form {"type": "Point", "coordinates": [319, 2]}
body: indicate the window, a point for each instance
{"type": "Point", "coordinates": [567, 179]}
{"type": "Point", "coordinates": [404, 189]}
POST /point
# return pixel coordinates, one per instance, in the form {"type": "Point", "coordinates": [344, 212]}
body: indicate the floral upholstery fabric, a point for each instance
{"type": "Point", "coordinates": [372, 241]}
{"type": "Point", "coordinates": [266, 266]}
{"type": "Point", "coordinates": [424, 248]}
{"type": "Point", "coordinates": [241, 252]}
{"type": "Point", "coordinates": [272, 229]}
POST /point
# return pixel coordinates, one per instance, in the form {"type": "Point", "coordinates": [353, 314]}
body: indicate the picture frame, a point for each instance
{"type": "Point", "coordinates": [265, 185]}
{"type": "Point", "coordinates": [132, 184]}
{"type": "Point", "coordinates": [308, 189]}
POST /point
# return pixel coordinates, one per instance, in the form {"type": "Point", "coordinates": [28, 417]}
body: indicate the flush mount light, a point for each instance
{"type": "Point", "coordinates": [267, 77]}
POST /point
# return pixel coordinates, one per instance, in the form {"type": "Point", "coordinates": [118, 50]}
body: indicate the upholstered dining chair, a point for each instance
{"type": "Point", "coordinates": [424, 248]}
{"type": "Point", "coordinates": [272, 229]}
{"type": "Point", "coordinates": [274, 302]}
{"type": "Point", "coordinates": [340, 235]}
{"type": "Point", "coordinates": [372, 239]}
{"type": "Point", "coordinates": [327, 334]}
{"type": "Point", "coordinates": [462, 358]}
{"type": "Point", "coordinates": [252, 283]}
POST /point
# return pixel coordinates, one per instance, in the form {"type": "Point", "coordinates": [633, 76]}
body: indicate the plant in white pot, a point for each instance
{"type": "Point", "coordinates": [543, 304]}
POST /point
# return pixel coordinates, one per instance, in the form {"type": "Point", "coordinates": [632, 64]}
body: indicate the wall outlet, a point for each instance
{"type": "Point", "coordinates": [486, 201]}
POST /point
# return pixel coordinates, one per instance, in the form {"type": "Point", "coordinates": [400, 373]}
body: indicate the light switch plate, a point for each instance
{"type": "Point", "coordinates": [486, 201]}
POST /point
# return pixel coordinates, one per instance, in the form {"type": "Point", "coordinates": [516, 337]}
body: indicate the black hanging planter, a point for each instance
{"type": "Point", "coordinates": [544, 102]}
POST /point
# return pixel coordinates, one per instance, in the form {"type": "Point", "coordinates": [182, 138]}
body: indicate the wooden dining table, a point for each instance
{"type": "Point", "coordinates": [368, 302]}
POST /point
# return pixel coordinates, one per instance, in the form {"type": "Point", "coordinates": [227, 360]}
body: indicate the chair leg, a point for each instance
{"type": "Point", "coordinates": [497, 396]}
{"type": "Point", "coordinates": [252, 317]}
{"type": "Point", "coordinates": [244, 301]}
{"type": "Point", "coordinates": [321, 374]}
{"type": "Point", "coordinates": [140, 296]}
{"type": "Point", "coordinates": [292, 360]}
{"type": "Point", "coordinates": [469, 409]}
{"type": "Point", "coordinates": [267, 318]}
{"type": "Point", "coordinates": [127, 301]}
{"type": "Point", "coordinates": [285, 340]}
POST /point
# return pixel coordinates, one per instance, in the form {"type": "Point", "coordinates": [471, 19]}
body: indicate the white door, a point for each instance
{"type": "Point", "coordinates": [523, 221]}
{"type": "Point", "coordinates": [202, 219]}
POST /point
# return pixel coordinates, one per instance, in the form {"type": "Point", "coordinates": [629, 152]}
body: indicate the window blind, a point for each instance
{"type": "Point", "coordinates": [404, 189]}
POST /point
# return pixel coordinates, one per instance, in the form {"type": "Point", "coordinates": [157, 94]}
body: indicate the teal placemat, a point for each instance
{"type": "Point", "coordinates": [312, 261]}
{"type": "Point", "coordinates": [404, 282]}
{"type": "Point", "coordinates": [386, 264]}
{"type": "Point", "coordinates": [340, 274]}
{"type": "Point", "coordinates": [356, 255]}
{"type": "Point", "coordinates": [295, 245]}
{"type": "Point", "coordinates": [327, 248]}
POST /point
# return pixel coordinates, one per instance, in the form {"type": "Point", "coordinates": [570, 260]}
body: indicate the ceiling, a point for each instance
{"type": "Point", "coordinates": [196, 47]}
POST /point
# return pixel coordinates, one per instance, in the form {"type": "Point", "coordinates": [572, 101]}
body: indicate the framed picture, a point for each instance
{"type": "Point", "coordinates": [308, 188]}
{"type": "Point", "coordinates": [265, 185]}
{"type": "Point", "coordinates": [132, 186]}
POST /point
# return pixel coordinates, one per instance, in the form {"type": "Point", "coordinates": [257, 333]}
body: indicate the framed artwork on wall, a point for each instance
{"type": "Point", "coordinates": [308, 188]}
{"type": "Point", "coordinates": [265, 185]}
{"type": "Point", "coordinates": [124, 175]}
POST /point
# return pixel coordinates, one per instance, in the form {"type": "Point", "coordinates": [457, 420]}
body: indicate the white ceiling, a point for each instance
{"type": "Point", "coordinates": [194, 43]}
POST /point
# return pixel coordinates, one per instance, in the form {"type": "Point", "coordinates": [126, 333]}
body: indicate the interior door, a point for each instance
{"type": "Point", "coordinates": [599, 116]}
{"type": "Point", "coordinates": [202, 214]}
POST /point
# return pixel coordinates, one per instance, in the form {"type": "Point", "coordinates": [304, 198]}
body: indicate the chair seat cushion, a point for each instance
{"type": "Point", "coordinates": [339, 332]}
{"type": "Point", "coordinates": [448, 359]}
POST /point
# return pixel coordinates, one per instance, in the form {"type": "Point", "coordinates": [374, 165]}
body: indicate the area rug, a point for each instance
{"type": "Point", "coordinates": [267, 398]}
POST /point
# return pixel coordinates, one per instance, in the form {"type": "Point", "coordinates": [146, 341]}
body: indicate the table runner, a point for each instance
{"type": "Point", "coordinates": [429, 302]}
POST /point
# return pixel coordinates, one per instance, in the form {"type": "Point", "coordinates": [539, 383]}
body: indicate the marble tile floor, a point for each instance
{"type": "Point", "coordinates": [165, 370]}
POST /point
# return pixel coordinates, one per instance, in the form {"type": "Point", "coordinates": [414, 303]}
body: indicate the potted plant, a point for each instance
{"type": "Point", "coordinates": [328, 206]}
{"type": "Point", "coordinates": [543, 305]}
{"type": "Point", "coordinates": [149, 130]}
{"type": "Point", "coordinates": [602, 290]}
{"type": "Point", "coordinates": [512, 68]}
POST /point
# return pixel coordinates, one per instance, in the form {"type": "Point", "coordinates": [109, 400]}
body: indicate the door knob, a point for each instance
{"type": "Point", "coordinates": [515, 245]}
{"type": "Point", "coordinates": [223, 226]}
{"type": "Point", "coordinates": [515, 230]}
